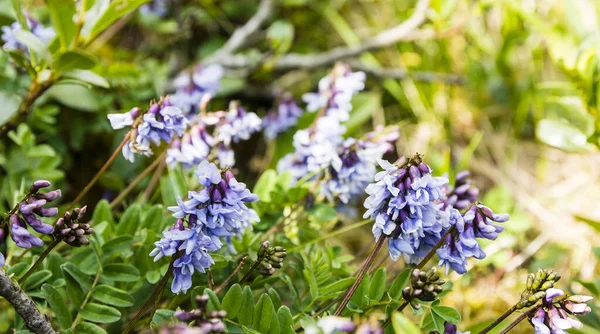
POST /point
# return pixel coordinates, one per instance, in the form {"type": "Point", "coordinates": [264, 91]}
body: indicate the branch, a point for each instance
{"type": "Point", "coordinates": [34, 320]}
{"type": "Point", "coordinates": [35, 91]}
{"type": "Point", "coordinates": [399, 73]}
{"type": "Point", "coordinates": [241, 35]}
{"type": "Point", "coordinates": [289, 61]}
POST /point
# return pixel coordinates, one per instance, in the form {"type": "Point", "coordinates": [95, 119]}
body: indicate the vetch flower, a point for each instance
{"type": "Point", "coordinates": [283, 117]}
{"type": "Point", "coordinates": [553, 315]}
{"type": "Point", "coordinates": [237, 124]}
{"type": "Point", "coordinates": [193, 148]}
{"type": "Point", "coordinates": [191, 87]}
{"type": "Point", "coordinates": [119, 121]}
{"type": "Point", "coordinates": [45, 34]}
{"type": "Point", "coordinates": [405, 203]}
{"type": "Point", "coordinates": [335, 92]}
{"type": "Point", "coordinates": [463, 194]}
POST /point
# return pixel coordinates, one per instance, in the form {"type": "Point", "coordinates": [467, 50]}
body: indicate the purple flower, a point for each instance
{"type": "Point", "coordinates": [21, 235]}
{"type": "Point", "coordinates": [405, 204]}
{"type": "Point", "coordinates": [193, 148]}
{"type": "Point", "coordinates": [237, 125]}
{"type": "Point", "coordinates": [335, 92]}
{"type": "Point", "coordinates": [463, 194]}
{"type": "Point", "coordinates": [282, 118]}
{"type": "Point", "coordinates": [451, 329]}
{"type": "Point", "coordinates": [119, 121]}
{"type": "Point", "coordinates": [331, 325]}
{"type": "Point", "coordinates": [191, 87]}
{"type": "Point", "coordinates": [35, 27]}
{"type": "Point", "coordinates": [553, 316]}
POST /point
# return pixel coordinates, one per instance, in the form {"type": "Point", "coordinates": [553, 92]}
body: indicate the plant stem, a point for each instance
{"type": "Point", "coordinates": [135, 181]}
{"type": "Point", "coordinates": [87, 299]}
{"type": "Point", "coordinates": [519, 319]}
{"type": "Point", "coordinates": [499, 320]}
{"type": "Point", "coordinates": [40, 259]}
{"type": "Point", "coordinates": [155, 179]}
{"type": "Point", "coordinates": [35, 91]}
{"type": "Point", "coordinates": [100, 172]}
{"type": "Point", "coordinates": [155, 294]}
{"type": "Point", "coordinates": [231, 276]}
{"type": "Point", "coordinates": [387, 322]}
{"type": "Point", "coordinates": [360, 276]}
{"type": "Point", "coordinates": [254, 266]}
{"type": "Point", "coordinates": [14, 209]}
{"type": "Point", "coordinates": [331, 235]}
{"type": "Point", "coordinates": [432, 251]}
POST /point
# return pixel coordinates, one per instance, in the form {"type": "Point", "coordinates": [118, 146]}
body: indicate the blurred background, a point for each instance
{"type": "Point", "coordinates": [507, 89]}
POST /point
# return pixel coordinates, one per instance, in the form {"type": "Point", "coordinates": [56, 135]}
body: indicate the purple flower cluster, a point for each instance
{"type": "Point", "coordinates": [161, 123]}
{"type": "Point", "coordinates": [191, 87]}
{"type": "Point", "coordinates": [451, 329]}
{"type": "Point", "coordinates": [237, 125]}
{"type": "Point", "coordinates": [217, 211]}
{"type": "Point", "coordinates": [283, 117]}
{"type": "Point", "coordinates": [553, 316]}
{"type": "Point", "coordinates": [463, 194]}
{"type": "Point", "coordinates": [193, 148]}
{"type": "Point", "coordinates": [359, 160]}
{"type": "Point", "coordinates": [45, 34]}
{"type": "Point", "coordinates": [333, 324]}
{"type": "Point", "coordinates": [335, 92]}
{"type": "Point", "coordinates": [28, 212]}
{"type": "Point", "coordinates": [315, 149]}
{"type": "Point", "coordinates": [405, 202]}
{"type": "Point", "coordinates": [477, 222]}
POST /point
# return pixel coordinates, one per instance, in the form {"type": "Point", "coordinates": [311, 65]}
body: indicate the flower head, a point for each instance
{"type": "Point", "coordinates": [236, 125]}
{"type": "Point", "coordinates": [283, 117]}
{"type": "Point", "coordinates": [553, 316]}
{"type": "Point", "coordinates": [193, 148]}
{"type": "Point", "coordinates": [45, 34]}
{"type": "Point", "coordinates": [463, 194]}
{"type": "Point", "coordinates": [191, 87]}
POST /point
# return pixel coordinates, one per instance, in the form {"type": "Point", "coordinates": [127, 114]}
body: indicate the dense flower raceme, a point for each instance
{"type": "Point", "coordinates": [216, 212]}
{"type": "Point", "coordinates": [477, 222]}
{"type": "Point", "coordinates": [333, 325]}
{"type": "Point", "coordinates": [553, 315]}
{"type": "Point", "coordinates": [405, 203]}
{"type": "Point", "coordinates": [284, 116]}
{"type": "Point", "coordinates": [451, 329]}
{"type": "Point", "coordinates": [161, 123]}
{"type": "Point", "coordinates": [191, 87]}
{"type": "Point", "coordinates": [45, 34]}
{"type": "Point", "coordinates": [349, 179]}
{"type": "Point", "coordinates": [194, 147]}
{"type": "Point", "coordinates": [463, 194]}
{"type": "Point", "coordinates": [29, 212]}
{"type": "Point", "coordinates": [335, 92]}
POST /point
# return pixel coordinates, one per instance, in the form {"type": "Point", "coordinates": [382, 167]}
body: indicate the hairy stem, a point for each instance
{"type": "Point", "coordinates": [40, 259]}
{"type": "Point", "coordinates": [231, 276]}
{"type": "Point", "coordinates": [499, 320]}
{"type": "Point", "coordinates": [34, 320]}
{"type": "Point", "coordinates": [389, 320]}
{"type": "Point", "coordinates": [360, 276]}
{"type": "Point", "coordinates": [100, 172]}
{"type": "Point", "coordinates": [155, 294]}
{"type": "Point", "coordinates": [519, 319]}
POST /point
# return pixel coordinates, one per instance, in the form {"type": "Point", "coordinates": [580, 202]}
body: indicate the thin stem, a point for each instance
{"type": "Point", "coordinates": [519, 319]}
{"type": "Point", "coordinates": [155, 179]}
{"type": "Point", "coordinates": [155, 294]}
{"type": "Point", "coordinates": [35, 91]}
{"type": "Point", "coordinates": [211, 282]}
{"type": "Point", "coordinates": [87, 299]}
{"type": "Point", "coordinates": [360, 276]}
{"type": "Point", "coordinates": [100, 172]}
{"type": "Point", "coordinates": [135, 181]}
{"type": "Point", "coordinates": [387, 322]}
{"type": "Point", "coordinates": [40, 259]}
{"type": "Point", "coordinates": [499, 320]}
{"type": "Point", "coordinates": [254, 266]}
{"type": "Point", "coordinates": [231, 276]}
{"type": "Point", "coordinates": [15, 208]}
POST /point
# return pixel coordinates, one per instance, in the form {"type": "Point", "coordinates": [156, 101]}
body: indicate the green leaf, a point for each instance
{"type": "Point", "coordinates": [79, 276]}
{"type": "Point", "coordinates": [250, 330]}
{"type": "Point", "coordinates": [337, 286]}
{"type": "Point", "coordinates": [275, 298]}
{"type": "Point", "coordinates": [399, 283]}
{"type": "Point", "coordinates": [562, 135]}
{"type": "Point", "coordinates": [312, 283]}
{"type": "Point", "coordinates": [62, 13]}
{"type": "Point", "coordinates": [286, 321]}
{"type": "Point", "coordinates": [72, 60]}
{"type": "Point", "coordinates": [31, 41]}
{"type": "Point", "coordinates": [88, 328]}
{"type": "Point", "coordinates": [87, 76]}
{"type": "Point", "coordinates": [213, 300]}
{"type": "Point", "coordinates": [447, 313]}
{"type": "Point", "coordinates": [22, 61]}
{"type": "Point", "coordinates": [232, 302]}
{"type": "Point", "coordinates": [377, 285]}
{"type": "Point", "coordinates": [281, 35]}
{"type": "Point", "coordinates": [120, 273]}
{"type": "Point", "coordinates": [116, 245]}
{"type": "Point", "coordinates": [100, 313]}
{"type": "Point", "coordinates": [154, 218]}
{"type": "Point", "coordinates": [87, 99]}
{"type": "Point", "coordinates": [265, 185]}
{"type": "Point", "coordinates": [263, 312]}
{"type": "Point", "coordinates": [58, 306]}
{"type": "Point", "coordinates": [403, 325]}
{"type": "Point", "coordinates": [130, 220]}
{"type": "Point", "coordinates": [9, 106]}
{"type": "Point", "coordinates": [591, 222]}
{"type": "Point", "coordinates": [115, 11]}
{"type": "Point", "coordinates": [432, 322]}
{"type": "Point", "coordinates": [245, 317]}
{"type": "Point", "coordinates": [102, 213]}
{"type": "Point", "coordinates": [162, 316]}
{"type": "Point", "coordinates": [112, 296]}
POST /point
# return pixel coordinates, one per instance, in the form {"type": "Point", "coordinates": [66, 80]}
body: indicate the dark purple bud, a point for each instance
{"type": "Point", "coordinates": [49, 196]}
{"type": "Point", "coordinates": [450, 328]}
{"type": "Point", "coordinates": [82, 212]}
{"type": "Point", "coordinates": [501, 217]}
{"type": "Point", "coordinates": [79, 232]}
{"type": "Point", "coordinates": [39, 184]}
{"type": "Point", "coordinates": [1, 235]}
{"type": "Point", "coordinates": [401, 173]}
{"type": "Point", "coordinates": [75, 226]}
{"type": "Point", "coordinates": [71, 239]}
{"type": "Point", "coordinates": [216, 194]}
{"type": "Point", "coordinates": [462, 204]}
{"type": "Point", "coordinates": [401, 188]}
{"type": "Point", "coordinates": [424, 169]}
{"type": "Point", "coordinates": [184, 316]}
{"type": "Point", "coordinates": [462, 189]}
{"type": "Point", "coordinates": [65, 231]}
{"type": "Point", "coordinates": [229, 175]}
{"type": "Point", "coordinates": [89, 231]}
{"type": "Point", "coordinates": [134, 112]}
{"type": "Point", "coordinates": [67, 216]}
{"type": "Point", "coordinates": [463, 175]}
{"type": "Point", "coordinates": [407, 183]}
{"type": "Point", "coordinates": [22, 237]}
{"type": "Point", "coordinates": [154, 109]}
{"type": "Point", "coordinates": [414, 172]}
{"type": "Point", "coordinates": [83, 241]}
{"type": "Point", "coordinates": [27, 208]}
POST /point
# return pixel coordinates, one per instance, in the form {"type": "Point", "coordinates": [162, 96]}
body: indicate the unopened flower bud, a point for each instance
{"type": "Point", "coordinates": [37, 185]}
